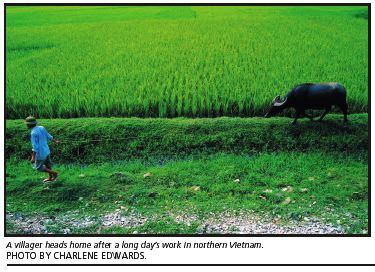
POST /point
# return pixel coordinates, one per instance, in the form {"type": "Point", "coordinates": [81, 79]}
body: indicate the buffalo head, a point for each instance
{"type": "Point", "coordinates": [277, 106]}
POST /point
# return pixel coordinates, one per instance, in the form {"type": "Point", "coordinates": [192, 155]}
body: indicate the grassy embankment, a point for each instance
{"type": "Point", "coordinates": [312, 170]}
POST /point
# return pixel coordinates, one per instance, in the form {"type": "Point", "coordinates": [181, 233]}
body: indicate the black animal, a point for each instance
{"type": "Point", "coordinates": [311, 96]}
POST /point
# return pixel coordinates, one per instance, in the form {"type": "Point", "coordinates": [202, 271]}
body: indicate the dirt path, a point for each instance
{"type": "Point", "coordinates": [223, 223]}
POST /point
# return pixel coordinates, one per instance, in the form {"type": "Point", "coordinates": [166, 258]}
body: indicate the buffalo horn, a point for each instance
{"type": "Point", "coordinates": [278, 104]}
{"type": "Point", "coordinates": [276, 99]}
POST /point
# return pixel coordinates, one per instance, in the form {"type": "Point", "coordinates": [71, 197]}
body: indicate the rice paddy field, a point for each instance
{"type": "Point", "coordinates": [149, 106]}
{"type": "Point", "coordinates": [177, 61]}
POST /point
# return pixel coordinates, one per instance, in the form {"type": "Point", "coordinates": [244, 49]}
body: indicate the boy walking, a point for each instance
{"type": "Point", "coordinates": [40, 155]}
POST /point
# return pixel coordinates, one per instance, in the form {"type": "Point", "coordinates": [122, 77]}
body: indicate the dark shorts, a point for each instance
{"type": "Point", "coordinates": [41, 165]}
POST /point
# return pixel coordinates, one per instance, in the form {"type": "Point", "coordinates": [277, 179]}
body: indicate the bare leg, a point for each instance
{"type": "Point", "coordinates": [48, 168]}
{"type": "Point", "coordinates": [324, 114]}
{"type": "Point", "coordinates": [51, 174]}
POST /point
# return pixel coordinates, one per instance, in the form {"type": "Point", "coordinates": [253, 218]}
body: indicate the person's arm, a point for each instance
{"type": "Point", "coordinates": [50, 138]}
{"type": "Point", "coordinates": [35, 144]}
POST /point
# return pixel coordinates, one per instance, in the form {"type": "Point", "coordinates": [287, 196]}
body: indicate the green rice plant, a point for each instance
{"type": "Point", "coordinates": [178, 61]}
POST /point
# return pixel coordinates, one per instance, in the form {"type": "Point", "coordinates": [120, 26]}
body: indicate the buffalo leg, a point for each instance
{"type": "Point", "coordinates": [344, 109]}
{"type": "Point", "coordinates": [295, 120]}
{"type": "Point", "coordinates": [308, 116]}
{"type": "Point", "coordinates": [299, 113]}
{"type": "Point", "coordinates": [324, 114]}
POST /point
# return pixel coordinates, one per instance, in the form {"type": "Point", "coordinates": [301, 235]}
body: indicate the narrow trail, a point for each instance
{"type": "Point", "coordinates": [222, 223]}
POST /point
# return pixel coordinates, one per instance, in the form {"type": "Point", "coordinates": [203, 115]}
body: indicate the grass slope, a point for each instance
{"type": "Point", "coordinates": [88, 140]}
{"type": "Point", "coordinates": [177, 61]}
{"type": "Point", "coordinates": [311, 170]}
{"type": "Point", "coordinates": [289, 186]}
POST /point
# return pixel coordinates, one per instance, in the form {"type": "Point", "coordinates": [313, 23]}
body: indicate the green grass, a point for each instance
{"type": "Point", "coordinates": [325, 163]}
{"type": "Point", "coordinates": [88, 140]}
{"type": "Point", "coordinates": [330, 186]}
{"type": "Point", "coordinates": [178, 61]}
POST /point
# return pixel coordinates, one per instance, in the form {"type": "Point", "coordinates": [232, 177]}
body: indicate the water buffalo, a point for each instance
{"type": "Point", "coordinates": [311, 96]}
